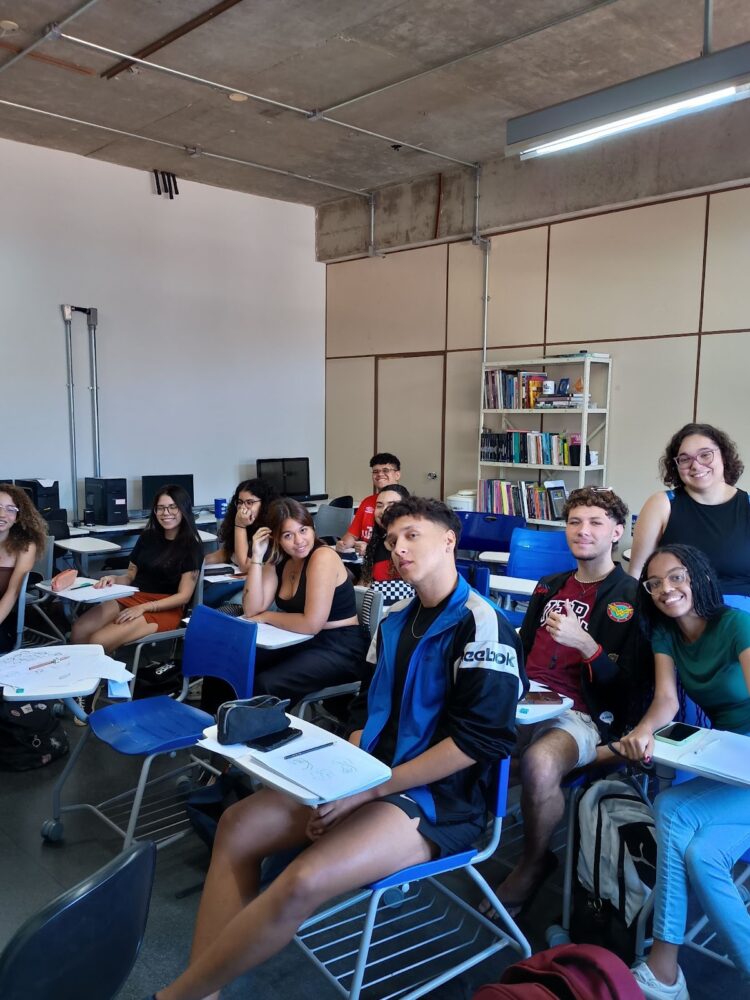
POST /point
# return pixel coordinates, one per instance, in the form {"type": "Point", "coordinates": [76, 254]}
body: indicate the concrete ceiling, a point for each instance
{"type": "Point", "coordinates": [313, 54]}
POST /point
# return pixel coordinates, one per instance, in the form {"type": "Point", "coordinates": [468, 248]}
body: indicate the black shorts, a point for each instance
{"type": "Point", "coordinates": [448, 838]}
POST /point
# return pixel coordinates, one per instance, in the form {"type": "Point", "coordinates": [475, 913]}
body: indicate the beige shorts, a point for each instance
{"type": "Point", "coordinates": [579, 725]}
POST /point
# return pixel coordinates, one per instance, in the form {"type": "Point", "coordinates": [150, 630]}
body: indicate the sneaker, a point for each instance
{"type": "Point", "coordinates": [654, 989]}
{"type": "Point", "coordinates": [87, 703]}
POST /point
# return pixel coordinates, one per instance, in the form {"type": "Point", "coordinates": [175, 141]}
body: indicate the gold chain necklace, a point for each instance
{"type": "Point", "coordinates": [414, 634]}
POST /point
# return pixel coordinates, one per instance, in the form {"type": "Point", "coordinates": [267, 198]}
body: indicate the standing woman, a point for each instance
{"type": "Point", "coordinates": [245, 514]}
{"type": "Point", "coordinates": [314, 596]}
{"type": "Point", "coordinates": [23, 535]}
{"type": "Point", "coordinates": [702, 826]}
{"type": "Point", "coordinates": [703, 507]}
{"type": "Point", "coordinates": [164, 565]}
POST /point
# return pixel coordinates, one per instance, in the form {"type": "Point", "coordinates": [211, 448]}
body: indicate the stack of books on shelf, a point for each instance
{"type": "Point", "coordinates": [530, 447]}
{"type": "Point", "coordinates": [521, 499]}
{"type": "Point", "coordinates": [512, 390]}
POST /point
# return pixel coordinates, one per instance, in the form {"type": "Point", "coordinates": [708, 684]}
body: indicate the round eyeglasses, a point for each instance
{"type": "Point", "coordinates": [9, 508]}
{"type": "Point", "coordinates": [655, 584]}
{"type": "Point", "coordinates": [167, 508]}
{"type": "Point", "coordinates": [248, 503]}
{"type": "Point", "coordinates": [705, 457]}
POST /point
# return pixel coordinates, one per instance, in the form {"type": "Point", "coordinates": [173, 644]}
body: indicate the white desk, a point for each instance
{"type": "Point", "coordinates": [497, 558]}
{"type": "Point", "coordinates": [77, 532]}
{"type": "Point", "coordinates": [516, 586]}
{"type": "Point", "coordinates": [715, 754]}
{"type": "Point", "coordinates": [527, 715]}
{"type": "Point", "coordinates": [83, 547]}
{"type": "Point", "coordinates": [136, 525]}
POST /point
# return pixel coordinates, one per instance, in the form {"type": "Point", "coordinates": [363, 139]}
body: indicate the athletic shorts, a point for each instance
{"type": "Point", "coordinates": [448, 838]}
{"type": "Point", "coordinates": [579, 725]}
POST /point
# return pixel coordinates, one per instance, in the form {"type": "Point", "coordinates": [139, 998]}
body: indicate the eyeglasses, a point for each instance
{"type": "Point", "coordinates": [247, 503]}
{"type": "Point", "coordinates": [705, 456]}
{"type": "Point", "coordinates": [9, 508]}
{"type": "Point", "coordinates": [655, 584]}
{"type": "Point", "coordinates": [167, 508]}
{"type": "Point", "coordinates": [383, 470]}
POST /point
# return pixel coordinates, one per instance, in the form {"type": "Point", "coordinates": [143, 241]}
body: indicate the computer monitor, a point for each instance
{"type": "Point", "coordinates": [151, 484]}
{"type": "Point", "coordinates": [290, 477]}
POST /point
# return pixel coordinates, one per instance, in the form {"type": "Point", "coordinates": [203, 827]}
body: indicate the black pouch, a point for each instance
{"type": "Point", "coordinates": [248, 719]}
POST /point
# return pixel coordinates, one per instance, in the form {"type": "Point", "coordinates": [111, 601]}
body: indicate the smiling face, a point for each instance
{"type": "Point", "coordinates": [420, 548]}
{"type": "Point", "coordinates": [591, 533]}
{"type": "Point", "coordinates": [386, 498]}
{"type": "Point", "coordinates": [699, 462]}
{"type": "Point", "coordinates": [168, 514]}
{"type": "Point", "coordinates": [669, 586]}
{"type": "Point", "coordinates": [296, 539]}
{"type": "Point", "coordinates": [384, 474]}
{"type": "Point", "coordinates": [8, 514]}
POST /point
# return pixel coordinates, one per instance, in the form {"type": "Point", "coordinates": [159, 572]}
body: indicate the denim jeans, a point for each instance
{"type": "Point", "coordinates": [702, 829]}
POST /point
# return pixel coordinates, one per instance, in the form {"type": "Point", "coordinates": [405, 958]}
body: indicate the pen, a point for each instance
{"type": "Point", "coordinates": [36, 666]}
{"type": "Point", "coordinates": [299, 753]}
{"type": "Point", "coordinates": [80, 586]}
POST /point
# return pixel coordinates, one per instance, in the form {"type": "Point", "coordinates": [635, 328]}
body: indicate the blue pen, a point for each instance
{"type": "Point", "coordinates": [80, 586]}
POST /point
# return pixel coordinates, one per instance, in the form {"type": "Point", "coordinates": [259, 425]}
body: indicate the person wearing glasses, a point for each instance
{"type": "Point", "coordinates": [702, 507]}
{"type": "Point", "coordinates": [23, 535]}
{"type": "Point", "coordinates": [386, 470]}
{"type": "Point", "coordinates": [702, 826]}
{"type": "Point", "coordinates": [164, 566]}
{"type": "Point", "coordinates": [245, 514]}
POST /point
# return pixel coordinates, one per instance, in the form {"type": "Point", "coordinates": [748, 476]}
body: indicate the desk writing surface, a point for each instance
{"type": "Point", "coordinates": [88, 594]}
{"type": "Point", "coordinates": [516, 585]}
{"type": "Point", "coordinates": [498, 558]}
{"type": "Point", "coordinates": [527, 715]}
{"type": "Point", "coordinates": [715, 754]}
{"type": "Point", "coordinates": [85, 544]}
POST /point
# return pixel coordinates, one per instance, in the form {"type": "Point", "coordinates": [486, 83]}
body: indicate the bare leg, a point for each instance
{"type": "Point", "coordinates": [93, 620]}
{"type": "Point", "coordinates": [375, 840]}
{"type": "Point", "coordinates": [113, 636]}
{"type": "Point", "coordinates": [543, 766]}
{"type": "Point", "coordinates": [662, 960]}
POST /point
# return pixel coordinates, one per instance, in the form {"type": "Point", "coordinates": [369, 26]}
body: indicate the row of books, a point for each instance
{"type": "Point", "coordinates": [512, 390]}
{"type": "Point", "coordinates": [530, 447]}
{"type": "Point", "coordinates": [572, 402]}
{"type": "Point", "coordinates": [521, 499]}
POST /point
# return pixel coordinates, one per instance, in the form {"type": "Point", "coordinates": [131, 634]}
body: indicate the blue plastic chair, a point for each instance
{"type": "Point", "coordinates": [85, 942]}
{"type": "Point", "coordinates": [215, 646]}
{"type": "Point", "coordinates": [482, 532]}
{"type": "Point", "coordinates": [475, 575]}
{"type": "Point", "coordinates": [534, 554]}
{"type": "Point", "coordinates": [413, 925]}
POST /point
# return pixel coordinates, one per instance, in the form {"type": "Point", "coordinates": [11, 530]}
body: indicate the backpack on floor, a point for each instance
{"type": "Point", "coordinates": [567, 972]}
{"type": "Point", "coordinates": [616, 864]}
{"type": "Point", "coordinates": [30, 735]}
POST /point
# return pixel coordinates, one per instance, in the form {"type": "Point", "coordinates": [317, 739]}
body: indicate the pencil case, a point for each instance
{"type": "Point", "coordinates": [250, 718]}
{"type": "Point", "coordinates": [64, 580]}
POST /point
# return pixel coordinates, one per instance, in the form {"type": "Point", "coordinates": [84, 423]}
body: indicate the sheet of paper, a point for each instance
{"type": "Point", "coordinates": [48, 668]}
{"type": "Point", "coordinates": [272, 637]}
{"type": "Point", "coordinates": [84, 592]}
{"type": "Point", "coordinates": [224, 578]}
{"type": "Point", "coordinates": [715, 754]}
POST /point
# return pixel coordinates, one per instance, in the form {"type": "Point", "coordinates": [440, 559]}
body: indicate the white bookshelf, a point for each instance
{"type": "Point", "coordinates": [590, 421]}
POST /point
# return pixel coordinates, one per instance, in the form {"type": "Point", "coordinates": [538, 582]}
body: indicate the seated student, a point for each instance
{"type": "Point", "coordinates": [702, 826]}
{"type": "Point", "coordinates": [579, 638]}
{"type": "Point", "coordinates": [386, 470]}
{"type": "Point", "coordinates": [164, 565]}
{"type": "Point", "coordinates": [378, 571]}
{"type": "Point", "coordinates": [245, 514]}
{"type": "Point", "coordinates": [23, 535]}
{"type": "Point", "coordinates": [438, 713]}
{"type": "Point", "coordinates": [314, 596]}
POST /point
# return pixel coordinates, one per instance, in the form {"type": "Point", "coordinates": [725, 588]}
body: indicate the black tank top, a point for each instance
{"type": "Point", "coordinates": [343, 605]}
{"type": "Point", "coordinates": [721, 531]}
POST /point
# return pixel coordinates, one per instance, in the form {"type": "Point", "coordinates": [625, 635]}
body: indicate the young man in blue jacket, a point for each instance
{"type": "Point", "coordinates": [441, 709]}
{"type": "Point", "coordinates": [580, 638]}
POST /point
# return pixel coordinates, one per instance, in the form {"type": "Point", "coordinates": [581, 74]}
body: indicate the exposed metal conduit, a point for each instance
{"type": "Point", "coordinates": [67, 312]}
{"type": "Point", "coordinates": [193, 150]}
{"type": "Point", "coordinates": [306, 113]}
{"type": "Point", "coordinates": [708, 27]}
{"type": "Point", "coordinates": [43, 38]}
{"type": "Point", "coordinates": [92, 316]}
{"type": "Point", "coordinates": [475, 53]}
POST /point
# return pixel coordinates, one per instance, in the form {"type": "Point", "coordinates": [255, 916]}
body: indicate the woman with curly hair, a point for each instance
{"type": "Point", "coordinates": [701, 507]}
{"type": "Point", "coordinates": [22, 537]}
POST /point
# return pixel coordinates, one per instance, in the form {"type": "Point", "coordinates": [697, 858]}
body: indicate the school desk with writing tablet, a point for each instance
{"type": "Point", "coordinates": [715, 754]}
{"type": "Point", "coordinates": [528, 714]}
{"type": "Point", "coordinates": [315, 768]}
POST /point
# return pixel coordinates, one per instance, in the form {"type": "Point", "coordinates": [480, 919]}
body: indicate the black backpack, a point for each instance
{"type": "Point", "coordinates": [30, 735]}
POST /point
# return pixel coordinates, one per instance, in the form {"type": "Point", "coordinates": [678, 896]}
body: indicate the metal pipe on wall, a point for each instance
{"type": "Point", "coordinates": [92, 316]}
{"type": "Point", "coordinates": [67, 312]}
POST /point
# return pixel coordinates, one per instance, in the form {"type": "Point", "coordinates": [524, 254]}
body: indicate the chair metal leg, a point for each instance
{"type": "Point", "coordinates": [137, 799]}
{"type": "Point", "coordinates": [71, 763]}
{"type": "Point", "coordinates": [364, 947]}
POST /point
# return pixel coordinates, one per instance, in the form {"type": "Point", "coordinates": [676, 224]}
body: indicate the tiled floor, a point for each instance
{"type": "Point", "coordinates": [34, 872]}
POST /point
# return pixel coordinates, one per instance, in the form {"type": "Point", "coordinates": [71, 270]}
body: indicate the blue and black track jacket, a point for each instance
{"type": "Point", "coordinates": [464, 680]}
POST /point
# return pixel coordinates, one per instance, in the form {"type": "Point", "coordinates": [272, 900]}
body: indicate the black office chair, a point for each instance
{"type": "Point", "coordinates": [85, 942]}
{"type": "Point", "coordinates": [345, 502]}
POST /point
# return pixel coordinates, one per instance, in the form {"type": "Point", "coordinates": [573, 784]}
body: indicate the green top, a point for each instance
{"type": "Point", "coordinates": [709, 668]}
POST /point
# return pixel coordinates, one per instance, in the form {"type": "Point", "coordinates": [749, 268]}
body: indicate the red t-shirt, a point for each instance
{"type": "Point", "coordinates": [550, 662]}
{"type": "Point", "coordinates": [364, 519]}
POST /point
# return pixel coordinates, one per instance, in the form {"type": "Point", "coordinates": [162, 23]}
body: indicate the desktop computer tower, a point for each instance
{"type": "Point", "coordinates": [43, 493]}
{"type": "Point", "coordinates": [108, 499]}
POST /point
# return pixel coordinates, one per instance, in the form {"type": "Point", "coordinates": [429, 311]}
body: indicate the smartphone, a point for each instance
{"type": "Point", "coordinates": [676, 733]}
{"type": "Point", "coordinates": [274, 740]}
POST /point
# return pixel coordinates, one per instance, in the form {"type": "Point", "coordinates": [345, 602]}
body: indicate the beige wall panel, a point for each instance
{"type": "Point", "coordinates": [653, 385]}
{"type": "Point", "coordinates": [722, 389]}
{"type": "Point", "coordinates": [388, 305]}
{"type": "Point", "coordinates": [350, 426]}
{"type": "Point", "coordinates": [410, 416]}
{"type": "Point", "coordinates": [726, 305]}
{"type": "Point", "coordinates": [462, 401]}
{"type": "Point", "coordinates": [518, 274]}
{"type": "Point", "coordinates": [465, 282]}
{"type": "Point", "coordinates": [626, 274]}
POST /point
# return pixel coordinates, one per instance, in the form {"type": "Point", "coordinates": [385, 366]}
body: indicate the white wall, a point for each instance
{"type": "Point", "coordinates": [211, 333]}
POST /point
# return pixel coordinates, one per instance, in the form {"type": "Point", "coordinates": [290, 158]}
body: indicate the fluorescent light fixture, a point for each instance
{"type": "Point", "coordinates": [713, 80]}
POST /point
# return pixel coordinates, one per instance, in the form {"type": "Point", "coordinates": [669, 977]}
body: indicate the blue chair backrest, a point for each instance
{"type": "Point", "coordinates": [217, 645]}
{"type": "Point", "coordinates": [85, 942]}
{"type": "Point", "coordinates": [534, 554]}
{"type": "Point", "coordinates": [737, 601]}
{"type": "Point", "coordinates": [487, 532]}
{"type": "Point", "coordinates": [475, 575]}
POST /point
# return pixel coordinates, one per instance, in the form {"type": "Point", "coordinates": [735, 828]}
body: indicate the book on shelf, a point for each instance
{"type": "Point", "coordinates": [527, 447]}
{"type": "Point", "coordinates": [520, 499]}
{"type": "Point", "coordinates": [511, 389]}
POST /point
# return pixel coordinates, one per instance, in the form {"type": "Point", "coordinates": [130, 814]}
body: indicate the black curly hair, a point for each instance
{"type": "Point", "coordinates": [264, 492]}
{"type": "Point", "coordinates": [378, 533]}
{"type": "Point", "coordinates": [708, 602]}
